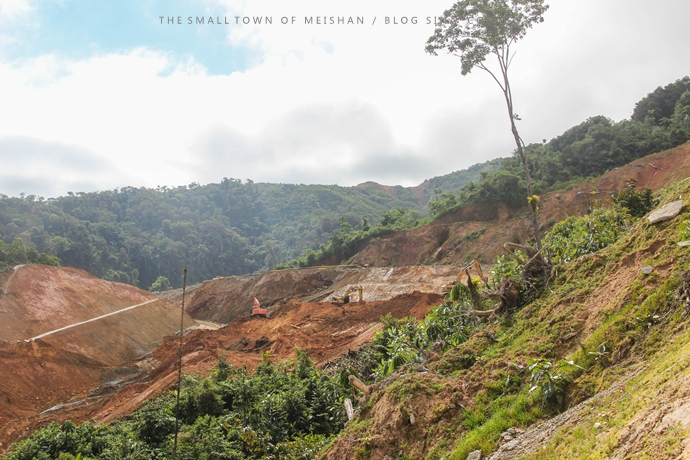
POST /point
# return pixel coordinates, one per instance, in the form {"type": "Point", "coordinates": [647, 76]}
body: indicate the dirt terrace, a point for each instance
{"type": "Point", "coordinates": [224, 299]}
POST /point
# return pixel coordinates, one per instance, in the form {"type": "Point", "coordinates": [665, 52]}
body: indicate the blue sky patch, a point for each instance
{"type": "Point", "coordinates": [79, 29]}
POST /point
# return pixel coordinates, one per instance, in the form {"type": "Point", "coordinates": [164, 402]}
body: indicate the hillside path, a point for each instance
{"type": "Point", "coordinates": [90, 320]}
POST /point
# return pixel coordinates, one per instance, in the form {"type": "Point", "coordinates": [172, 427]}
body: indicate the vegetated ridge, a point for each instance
{"type": "Point", "coordinates": [603, 350]}
{"type": "Point", "coordinates": [135, 235]}
{"type": "Point", "coordinates": [479, 230]}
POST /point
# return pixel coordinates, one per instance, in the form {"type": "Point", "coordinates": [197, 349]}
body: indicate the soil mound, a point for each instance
{"type": "Point", "coordinates": [38, 298]}
{"type": "Point", "coordinates": [67, 337]}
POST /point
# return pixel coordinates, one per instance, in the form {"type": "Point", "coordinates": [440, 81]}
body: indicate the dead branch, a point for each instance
{"type": "Point", "coordinates": [481, 313]}
{"type": "Point", "coordinates": [349, 409]}
{"type": "Point", "coordinates": [512, 247]}
{"type": "Point", "coordinates": [357, 383]}
{"type": "Point", "coordinates": [570, 335]}
{"type": "Point", "coordinates": [536, 254]}
{"type": "Point", "coordinates": [338, 334]}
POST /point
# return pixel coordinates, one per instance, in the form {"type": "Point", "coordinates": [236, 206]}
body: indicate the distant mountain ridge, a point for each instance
{"type": "Point", "coordinates": [447, 183]}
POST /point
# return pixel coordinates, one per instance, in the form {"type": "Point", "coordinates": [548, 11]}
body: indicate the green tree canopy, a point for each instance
{"type": "Point", "coordinates": [661, 103]}
{"type": "Point", "coordinates": [18, 253]}
{"type": "Point", "coordinates": [161, 284]}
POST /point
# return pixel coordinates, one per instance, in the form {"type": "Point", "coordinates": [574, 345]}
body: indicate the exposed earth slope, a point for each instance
{"type": "Point", "coordinates": [106, 367]}
{"type": "Point", "coordinates": [39, 369]}
{"type": "Point", "coordinates": [300, 315]}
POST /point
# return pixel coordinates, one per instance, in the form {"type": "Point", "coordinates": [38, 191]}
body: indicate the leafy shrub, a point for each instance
{"type": "Point", "coordinates": [55, 439]}
{"type": "Point", "coordinates": [161, 284]}
{"type": "Point", "coordinates": [577, 236]}
{"type": "Point", "coordinates": [551, 378]}
{"type": "Point", "coordinates": [442, 204]}
{"type": "Point", "coordinates": [405, 340]}
{"type": "Point", "coordinates": [398, 343]}
{"type": "Point", "coordinates": [199, 397]}
{"type": "Point", "coordinates": [635, 202]}
{"type": "Point", "coordinates": [505, 268]}
{"type": "Point", "coordinates": [154, 423]}
{"type": "Point", "coordinates": [448, 326]}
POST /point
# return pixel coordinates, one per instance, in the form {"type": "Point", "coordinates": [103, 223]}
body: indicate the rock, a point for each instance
{"type": "Point", "coordinates": [475, 455]}
{"type": "Point", "coordinates": [666, 212]}
{"type": "Point", "coordinates": [647, 270]}
{"type": "Point", "coordinates": [510, 434]}
{"type": "Point", "coordinates": [684, 244]}
{"type": "Point", "coordinates": [597, 426]}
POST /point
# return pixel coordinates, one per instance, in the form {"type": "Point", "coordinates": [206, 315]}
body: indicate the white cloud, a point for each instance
{"type": "Point", "coordinates": [14, 9]}
{"type": "Point", "coordinates": [50, 168]}
{"type": "Point", "coordinates": [336, 104]}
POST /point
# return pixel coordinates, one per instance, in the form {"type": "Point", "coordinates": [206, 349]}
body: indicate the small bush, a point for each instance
{"type": "Point", "coordinates": [635, 202]}
{"type": "Point", "coordinates": [161, 284]}
{"type": "Point", "coordinates": [551, 378]}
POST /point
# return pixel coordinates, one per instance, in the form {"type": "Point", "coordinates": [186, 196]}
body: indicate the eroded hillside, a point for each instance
{"type": "Point", "coordinates": [45, 363]}
{"type": "Point", "coordinates": [104, 369]}
{"type": "Point", "coordinates": [300, 316]}
{"type": "Point", "coordinates": [479, 231]}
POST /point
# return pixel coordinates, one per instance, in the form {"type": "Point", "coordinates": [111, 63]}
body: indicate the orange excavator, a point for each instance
{"type": "Point", "coordinates": [257, 310]}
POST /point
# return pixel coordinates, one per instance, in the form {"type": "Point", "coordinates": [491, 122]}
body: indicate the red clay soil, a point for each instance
{"type": "Point", "coordinates": [479, 231]}
{"type": "Point", "coordinates": [38, 298]}
{"type": "Point", "coordinates": [224, 299]}
{"type": "Point", "coordinates": [80, 369]}
{"type": "Point", "coordinates": [68, 365]}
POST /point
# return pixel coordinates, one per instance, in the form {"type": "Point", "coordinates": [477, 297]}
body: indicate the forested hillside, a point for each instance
{"type": "Point", "coordinates": [660, 121]}
{"type": "Point", "coordinates": [587, 150]}
{"type": "Point", "coordinates": [135, 235]}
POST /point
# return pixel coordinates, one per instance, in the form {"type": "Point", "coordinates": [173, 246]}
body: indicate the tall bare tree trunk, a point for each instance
{"type": "Point", "coordinates": [523, 156]}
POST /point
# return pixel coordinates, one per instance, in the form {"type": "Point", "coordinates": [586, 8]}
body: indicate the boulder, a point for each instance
{"type": "Point", "coordinates": [475, 455]}
{"type": "Point", "coordinates": [666, 212]}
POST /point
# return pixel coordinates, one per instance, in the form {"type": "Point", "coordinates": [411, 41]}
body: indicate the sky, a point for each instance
{"type": "Point", "coordinates": [98, 95]}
